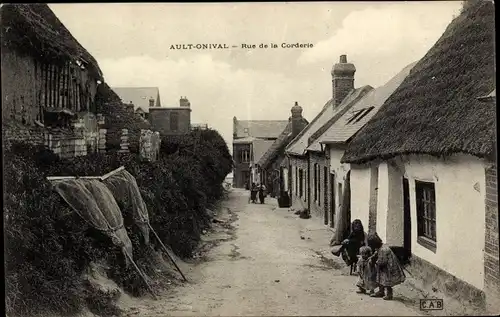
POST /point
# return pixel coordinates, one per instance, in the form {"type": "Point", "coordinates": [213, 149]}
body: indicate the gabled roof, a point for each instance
{"type": "Point", "coordinates": [35, 30]}
{"type": "Point", "coordinates": [260, 147]}
{"type": "Point", "coordinates": [259, 128]}
{"type": "Point", "coordinates": [139, 96]}
{"type": "Point", "coordinates": [279, 144]}
{"type": "Point", "coordinates": [435, 110]}
{"type": "Point", "coordinates": [360, 113]}
{"type": "Point", "coordinates": [300, 143]}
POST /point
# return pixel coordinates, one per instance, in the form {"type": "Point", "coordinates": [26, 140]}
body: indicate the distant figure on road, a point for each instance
{"type": "Point", "coordinates": [253, 194]}
{"type": "Point", "coordinates": [262, 195]}
{"type": "Point", "coordinates": [389, 271]}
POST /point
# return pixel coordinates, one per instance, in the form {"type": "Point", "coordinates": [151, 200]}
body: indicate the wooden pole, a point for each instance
{"type": "Point", "coordinates": [166, 251]}
{"type": "Point", "coordinates": [141, 274]}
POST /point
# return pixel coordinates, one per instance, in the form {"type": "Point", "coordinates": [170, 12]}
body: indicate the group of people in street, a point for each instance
{"type": "Point", "coordinates": [257, 189]}
{"type": "Point", "coordinates": [375, 262]}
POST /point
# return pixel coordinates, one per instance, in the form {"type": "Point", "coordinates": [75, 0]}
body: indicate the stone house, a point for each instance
{"type": "Point", "coordinates": [142, 98]}
{"type": "Point", "coordinates": [171, 120]}
{"type": "Point", "coordinates": [334, 141]}
{"type": "Point", "coordinates": [49, 82]}
{"type": "Point", "coordinates": [430, 156]}
{"type": "Point", "coordinates": [272, 166]}
{"type": "Point", "coordinates": [250, 136]}
{"type": "Point", "coordinates": [310, 169]}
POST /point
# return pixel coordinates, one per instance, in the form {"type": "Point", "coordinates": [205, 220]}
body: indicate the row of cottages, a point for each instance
{"type": "Point", "coordinates": [308, 171]}
{"type": "Point", "coordinates": [423, 169]}
{"type": "Point", "coordinates": [49, 82]}
{"type": "Point", "coordinates": [271, 167]}
{"type": "Point", "coordinates": [251, 139]}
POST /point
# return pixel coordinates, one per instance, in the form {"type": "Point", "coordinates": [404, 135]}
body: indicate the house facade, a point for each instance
{"type": "Point", "coordinates": [171, 120]}
{"type": "Point", "coordinates": [49, 83]}
{"type": "Point", "coordinates": [273, 166]}
{"type": "Point", "coordinates": [428, 159]}
{"type": "Point", "coordinates": [335, 139]}
{"type": "Point", "coordinates": [250, 135]}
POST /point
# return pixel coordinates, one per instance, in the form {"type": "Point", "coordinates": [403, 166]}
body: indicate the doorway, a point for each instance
{"type": "Point", "coordinates": [340, 196]}
{"type": "Point", "coordinates": [325, 194]}
{"type": "Point", "coordinates": [332, 200]}
{"type": "Point", "coordinates": [406, 216]}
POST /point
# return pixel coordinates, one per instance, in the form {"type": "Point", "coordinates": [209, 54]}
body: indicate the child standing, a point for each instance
{"type": "Point", "coordinates": [389, 271]}
{"type": "Point", "coordinates": [367, 273]}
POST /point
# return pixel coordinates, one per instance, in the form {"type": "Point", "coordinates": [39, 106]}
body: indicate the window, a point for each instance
{"type": "Point", "coordinates": [174, 121]}
{"type": "Point", "coordinates": [244, 156]}
{"type": "Point", "coordinates": [359, 114]}
{"type": "Point", "coordinates": [426, 214]}
{"type": "Point", "coordinates": [301, 182]}
{"type": "Point", "coordinates": [364, 114]}
{"type": "Point", "coordinates": [355, 114]}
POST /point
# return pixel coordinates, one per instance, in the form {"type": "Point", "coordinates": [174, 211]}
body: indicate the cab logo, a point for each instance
{"type": "Point", "coordinates": [431, 304]}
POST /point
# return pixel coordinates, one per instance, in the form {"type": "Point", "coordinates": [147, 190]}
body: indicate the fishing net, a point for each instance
{"type": "Point", "coordinates": [124, 188]}
{"type": "Point", "coordinates": [94, 202]}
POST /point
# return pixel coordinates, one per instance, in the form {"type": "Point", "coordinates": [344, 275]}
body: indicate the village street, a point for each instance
{"type": "Point", "coordinates": [272, 263]}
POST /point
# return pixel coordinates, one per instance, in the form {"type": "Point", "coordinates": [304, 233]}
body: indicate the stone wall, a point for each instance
{"type": "Point", "coordinates": [491, 248]}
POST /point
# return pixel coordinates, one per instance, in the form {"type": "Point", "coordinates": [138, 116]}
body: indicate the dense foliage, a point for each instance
{"type": "Point", "coordinates": [48, 246]}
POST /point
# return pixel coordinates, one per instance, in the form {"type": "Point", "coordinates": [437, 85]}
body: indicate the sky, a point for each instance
{"type": "Point", "coordinates": [133, 46]}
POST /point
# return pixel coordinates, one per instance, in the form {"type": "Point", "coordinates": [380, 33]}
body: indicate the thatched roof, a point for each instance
{"type": "Point", "coordinates": [278, 145]}
{"type": "Point", "coordinates": [360, 113]}
{"type": "Point", "coordinates": [435, 110]}
{"type": "Point", "coordinates": [299, 144]}
{"type": "Point", "coordinates": [35, 30]}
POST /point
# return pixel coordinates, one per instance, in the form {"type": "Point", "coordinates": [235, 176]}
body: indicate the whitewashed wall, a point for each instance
{"type": "Point", "coordinates": [360, 194]}
{"type": "Point", "coordinates": [460, 214]}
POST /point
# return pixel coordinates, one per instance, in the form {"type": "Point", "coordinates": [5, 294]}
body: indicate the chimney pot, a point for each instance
{"type": "Point", "coordinates": [343, 58]}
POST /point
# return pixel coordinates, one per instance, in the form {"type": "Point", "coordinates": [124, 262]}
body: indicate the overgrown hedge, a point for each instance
{"type": "Point", "coordinates": [48, 246]}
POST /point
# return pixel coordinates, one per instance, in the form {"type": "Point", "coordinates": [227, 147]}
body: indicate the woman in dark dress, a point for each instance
{"type": "Point", "coordinates": [350, 246]}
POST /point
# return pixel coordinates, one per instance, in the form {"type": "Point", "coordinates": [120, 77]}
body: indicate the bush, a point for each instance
{"type": "Point", "coordinates": [48, 246]}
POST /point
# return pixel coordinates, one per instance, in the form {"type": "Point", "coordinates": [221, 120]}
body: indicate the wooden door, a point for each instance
{"type": "Point", "coordinates": [332, 200]}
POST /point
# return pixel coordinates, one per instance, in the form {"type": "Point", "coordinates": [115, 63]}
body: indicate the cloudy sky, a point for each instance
{"type": "Point", "coordinates": [132, 44]}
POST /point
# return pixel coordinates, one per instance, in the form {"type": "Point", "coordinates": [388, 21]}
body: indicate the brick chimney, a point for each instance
{"type": "Point", "coordinates": [342, 79]}
{"type": "Point", "coordinates": [151, 102]}
{"type": "Point", "coordinates": [184, 102]}
{"type": "Point", "coordinates": [235, 122]}
{"type": "Point", "coordinates": [297, 120]}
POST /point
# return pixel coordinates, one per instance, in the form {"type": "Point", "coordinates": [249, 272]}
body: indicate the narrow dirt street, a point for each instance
{"type": "Point", "coordinates": [270, 263]}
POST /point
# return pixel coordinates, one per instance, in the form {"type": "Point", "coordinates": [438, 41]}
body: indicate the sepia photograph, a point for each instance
{"type": "Point", "coordinates": [333, 158]}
